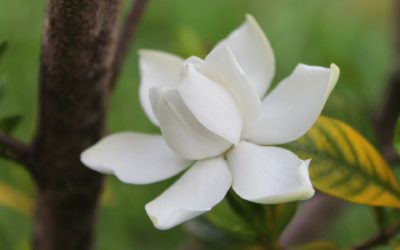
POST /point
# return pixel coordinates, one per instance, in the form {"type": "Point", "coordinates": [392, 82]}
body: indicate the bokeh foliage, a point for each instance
{"type": "Point", "coordinates": [354, 34]}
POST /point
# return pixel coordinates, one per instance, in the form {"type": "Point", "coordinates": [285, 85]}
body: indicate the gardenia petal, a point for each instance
{"type": "Point", "coordinates": [134, 158]}
{"type": "Point", "coordinates": [290, 110]}
{"type": "Point", "coordinates": [221, 66]}
{"type": "Point", "coordinates": [156, 68]}
{"type": "Point", "coordinates": [268, 175]}
{"type": "Point", "coordinates": [184, 134]}
{"type": "Point", "coordinates": [253, 52]}
{"type": "Point", "coordinates": [211, 104]}
{"type": "Point", "coordinates": [203, 186]}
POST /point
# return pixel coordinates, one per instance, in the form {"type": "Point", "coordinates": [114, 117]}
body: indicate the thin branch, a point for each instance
{"type": "Point", "coordinates": [387, 114]}
{"type": "Point", "coordinates": [379, 239]}
{"type": "Point", "coordinates": [13, 149]}
{"type": "Point", "coordinates": [304, 227]}
{"type": "Point", "coordinates": [386, 118]}
{"type": "Point", "coordinates": [125, 38]}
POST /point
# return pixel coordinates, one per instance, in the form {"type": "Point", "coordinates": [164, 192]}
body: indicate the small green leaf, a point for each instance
{"type": "Point", "coordinates": [225, 219]}
{"type": "Point", "coordinates": [211, 236]}
{"type": "Point", "coordinates": [9, 123]}
{"type": "Point", "coordinates": [251, 213]}
{"type": "Point", "coordinates": [344, 164]}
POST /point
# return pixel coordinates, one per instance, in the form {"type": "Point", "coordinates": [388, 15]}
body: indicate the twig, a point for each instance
{"type": "Point", "coordinates": [384, 122]}
{"type": "Point", "coordinates": [125, 38]}
{"type": "Point", "coordinates": [379, 239]}
{"type": "Point", "coordinates": [13, 149]}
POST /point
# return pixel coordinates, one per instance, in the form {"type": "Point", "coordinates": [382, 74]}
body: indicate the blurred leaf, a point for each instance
{"type": "Point", "coordinates": [14, 199]}
{"type": "Point", "coordinates": [395, 244]}
{"type": "Point", "coordinates": [397, 138]}
{"type": "Point", "coordinates": [3, 47]}
{"type": "Point", "coordinates": [107, 193]}
{"type": "Point", "coordinates": [279, 216]}
{"type": "Point", "coordinates": [9, 123]}
{"type": "Point", "coordinates": [189, 43]}
{"type": "Point", "coordinates": [319, 245]}
{"type": "Point", "coordinates": [346, 165]}
{"type": "Point", "coordinates": [380, 217]}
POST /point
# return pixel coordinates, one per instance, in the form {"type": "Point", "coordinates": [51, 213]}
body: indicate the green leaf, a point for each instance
{"type": "Point", "coordinates": [224, 218]}
{"type": "Point", "coordinates": [252, 214]}
{"type": "Point", "coordinates": [344, 164]}
{"type": "Point", "coordinates": [9, 123]}
{"type": "Point", "coordinates": [3, 47]}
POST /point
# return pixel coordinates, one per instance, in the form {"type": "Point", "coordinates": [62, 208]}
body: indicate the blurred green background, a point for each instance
{"type": "Point", "coordinates": [357, 35]}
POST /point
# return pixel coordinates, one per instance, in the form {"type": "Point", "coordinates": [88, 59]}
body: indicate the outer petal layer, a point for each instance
{"type": "Point", "coordinates": [268, 175]}
{"type": "Point", "coordinates": [221, 66]}
{"type": "Point", "coordinates": [156, 68]}
{"type": "Point", "coordinates": [253, 52]}
{"type": "Point", "coordinates": [196, 192]}
{"type": "Point", "coordinates": [134, 158]}
{"type": "Point", "coordinates": [290, 110]}
{"type": "Point", "coordinates": [184, 134]}
{"type": "Point", "coordinates": [211, 104]}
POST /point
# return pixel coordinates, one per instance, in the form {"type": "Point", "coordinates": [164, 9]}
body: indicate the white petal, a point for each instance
{"type": "Point", "coordinates": [253, 52]}
{"type": "Point", "coordinates": [211, 104]}
{"type": "Point", "coordinates": [196, 192]}
{"type": "Point", "coordinates": [134, 158]}
{"type": "Point", "coordinates": [184, 134]}
{"type": "Point", "coordinates": [290, 110]}
{"type": "Point", "coordinates": [268, 175]}
{"type": "Point", "coordinates": [156, 68]}
{"type": "Point", "coordinates": [221, 66]}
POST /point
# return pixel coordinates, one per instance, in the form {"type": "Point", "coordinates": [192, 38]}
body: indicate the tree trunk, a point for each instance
{"type": "Point", "coordinates": [77, 51]}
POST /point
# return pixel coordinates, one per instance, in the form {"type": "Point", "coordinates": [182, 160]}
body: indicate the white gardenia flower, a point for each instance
{"type": "Point", "coordinates": [216, 123]}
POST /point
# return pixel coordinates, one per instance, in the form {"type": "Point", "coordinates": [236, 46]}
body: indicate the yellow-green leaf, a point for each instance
{"type": "Point", "coordinates": [346, 165]}
{"type": "Point", "coordinates": [14, 199]}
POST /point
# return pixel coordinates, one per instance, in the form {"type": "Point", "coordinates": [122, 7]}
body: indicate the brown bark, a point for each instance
{"type": "Point", "coordinates": [77, 50]}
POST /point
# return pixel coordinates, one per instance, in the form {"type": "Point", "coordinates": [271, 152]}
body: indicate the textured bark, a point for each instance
{"type": "Point", "coordinates": [77, 50]}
